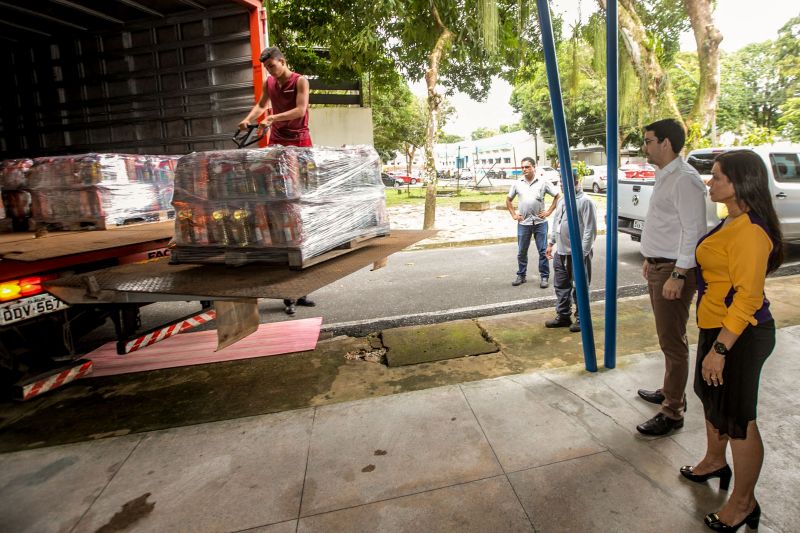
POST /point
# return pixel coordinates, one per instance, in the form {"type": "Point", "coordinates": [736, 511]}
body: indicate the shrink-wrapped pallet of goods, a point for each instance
{"type": "Point", "coordinates": [283, 205]}
{"type": "Point", "coordinates": [101, 190]}
{"type": "Point", "coordinates": [16, 200]}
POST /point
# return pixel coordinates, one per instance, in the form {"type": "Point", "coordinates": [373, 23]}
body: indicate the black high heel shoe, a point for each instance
{"type": "Point", "coordinates": [712, 521]}
{"type": "Point", "coordinates": [724, 474]}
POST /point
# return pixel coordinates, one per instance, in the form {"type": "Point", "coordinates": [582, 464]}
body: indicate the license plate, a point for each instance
{"type": "Point", "coordinates": [638, 224]}
{"type": "Point", "coordinates": [38, 305]}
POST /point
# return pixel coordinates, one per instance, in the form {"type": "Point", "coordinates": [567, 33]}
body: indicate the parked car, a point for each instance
{"type": "Point", "coordinates": [405, 178]}
{"type": "Point", "coordinates": [390, 181]}
{"type": "Point", "coordinates": [597, 178]}
{"type": "Point", "coordinates": [783, 173]}
{"type": "Point", "coordinates": [637, 171]}
{"type": "Point", "coordinates": [549, 173]}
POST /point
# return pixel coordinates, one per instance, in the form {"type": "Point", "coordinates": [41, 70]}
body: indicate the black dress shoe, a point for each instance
{"type": "Point", "coordinates": [519, 281]}
{"type": "Point", "coordinates": [713, 521]}
{"type": "Point", "coordinates": [652, 396]}
{"type": "Point", "coordinates": [304, 301]}
{"type": "Point", "coordinates": [659, 425]}
{"type": "Point", "coordinates": [724, 474]}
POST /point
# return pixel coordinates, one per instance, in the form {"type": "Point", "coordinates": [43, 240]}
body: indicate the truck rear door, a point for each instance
{"type": "Point", "coordinates": [633, 198]}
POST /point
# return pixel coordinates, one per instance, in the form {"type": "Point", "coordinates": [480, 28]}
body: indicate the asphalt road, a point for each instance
{"type": "Point", "coordinates": [435, 285]}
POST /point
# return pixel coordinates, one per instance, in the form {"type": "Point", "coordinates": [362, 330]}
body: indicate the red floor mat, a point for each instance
{"type": "Point", "coordinates": [198, 348]}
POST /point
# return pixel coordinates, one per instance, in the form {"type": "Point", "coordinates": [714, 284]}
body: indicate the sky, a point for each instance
{"type": "Point", "coordinates": [739, 23]}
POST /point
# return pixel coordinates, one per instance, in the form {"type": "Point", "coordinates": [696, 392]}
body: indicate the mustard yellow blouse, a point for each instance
{"type": "Point", "coordinates": [732, 267]}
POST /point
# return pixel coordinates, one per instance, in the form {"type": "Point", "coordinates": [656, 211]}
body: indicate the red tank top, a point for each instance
{"type": "Point", "coordinates": [284, 98]}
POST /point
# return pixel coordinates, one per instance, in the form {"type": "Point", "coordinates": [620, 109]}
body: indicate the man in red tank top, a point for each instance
{"type": "Point", "coordinates": [287, 91]}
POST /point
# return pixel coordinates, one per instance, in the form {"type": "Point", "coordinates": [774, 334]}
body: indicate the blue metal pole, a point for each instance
{"type": "Point", "coordinates": [567, 184]}
{"type": "Point", "coordinates": [612, 154]}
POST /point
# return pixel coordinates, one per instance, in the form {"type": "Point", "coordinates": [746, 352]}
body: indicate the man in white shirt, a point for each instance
{"type": "Point", "coordinates": [531, 217]}
{"type": "Point", "coordinates": [675, 221]}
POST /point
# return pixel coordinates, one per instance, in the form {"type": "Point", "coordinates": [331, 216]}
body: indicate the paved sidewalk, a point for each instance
{"type": "Point", "coordinates": [549, 451]}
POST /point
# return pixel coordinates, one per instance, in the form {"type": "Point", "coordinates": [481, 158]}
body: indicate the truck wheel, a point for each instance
{"type": "Point", "coordinates": [413, 181]}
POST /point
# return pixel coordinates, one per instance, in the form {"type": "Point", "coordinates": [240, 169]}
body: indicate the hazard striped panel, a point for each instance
{"type": "Point", "coordinates": [168, 331]}
{"type": "Point", "coordinates": [53, 381]}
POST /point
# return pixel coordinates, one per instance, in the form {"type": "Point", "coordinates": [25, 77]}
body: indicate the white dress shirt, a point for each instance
{"type": "Point", "coordinates": [676, 216]}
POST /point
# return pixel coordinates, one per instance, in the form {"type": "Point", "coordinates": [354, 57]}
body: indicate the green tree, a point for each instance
{"type": "Point", "coordinates": [448, 138]}
{"type": "Point", "coordinates": [788, 63]}
{"type": "Point", "coordinates": [482, 133]}
{"type": "Point", "coordinates": [508, 128]}
{"type": "Point", "coordinates": [397, 118]}
{"type": "Point", "coordinates": [584, 101]}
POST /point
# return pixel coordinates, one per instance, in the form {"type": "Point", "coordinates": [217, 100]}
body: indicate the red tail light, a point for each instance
{"type": "Point", "coordinates": [21, 288]}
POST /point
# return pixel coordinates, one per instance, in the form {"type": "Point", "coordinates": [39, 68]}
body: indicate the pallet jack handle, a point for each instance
{"type": "Point", "coordinates": [244, 138]}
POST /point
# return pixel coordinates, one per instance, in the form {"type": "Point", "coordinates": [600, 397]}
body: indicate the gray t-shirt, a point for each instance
{"type": "Point", "coordinates": [531, 198]}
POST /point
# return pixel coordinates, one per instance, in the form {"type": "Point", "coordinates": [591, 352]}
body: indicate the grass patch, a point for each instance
{"type": "Point", "coordinates": [416, 196]}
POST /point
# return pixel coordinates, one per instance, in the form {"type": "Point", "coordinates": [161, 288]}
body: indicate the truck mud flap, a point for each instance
{"type": "Point", "coordinates": [37, 385]}
{"type": "Point", "coordinates": [164, 332]}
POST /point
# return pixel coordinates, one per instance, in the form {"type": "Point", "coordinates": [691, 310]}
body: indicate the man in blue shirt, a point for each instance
{"type": "Point", "coordinates": [531, 217]}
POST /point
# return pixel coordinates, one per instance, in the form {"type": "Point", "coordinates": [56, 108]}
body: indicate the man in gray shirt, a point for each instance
{"type": "Point", "coordinates": [531, 218]}
{"type": "Point", "coordinates": [564, 276]}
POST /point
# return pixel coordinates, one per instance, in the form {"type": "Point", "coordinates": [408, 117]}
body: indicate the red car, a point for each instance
{"type": "Point", "coordinates": [406, 179]}
{"type": "Point", "coordinates": [637, 171]}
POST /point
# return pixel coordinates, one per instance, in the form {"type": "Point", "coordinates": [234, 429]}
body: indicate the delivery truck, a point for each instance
{"type": "Point", "coordinates": [143, 77]}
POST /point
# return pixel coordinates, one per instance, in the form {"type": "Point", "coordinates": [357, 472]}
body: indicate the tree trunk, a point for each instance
{"type": "Point", "coordinates": [707, 37]}
{"type": "Point", "coordinates": [410, 150]}
{"type": "Point", "coordinates": [431, 127]}
{"type": "Point", "coordinates": [644, 59]}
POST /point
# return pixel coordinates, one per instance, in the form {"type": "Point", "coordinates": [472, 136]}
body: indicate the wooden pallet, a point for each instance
{"type": "Point", "coordinates": [99, 223]}
{"type": "Point", "coordinates": [287, 256]}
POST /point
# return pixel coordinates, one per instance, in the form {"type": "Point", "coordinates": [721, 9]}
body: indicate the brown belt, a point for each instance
{"type": "Point", "coordinates": [655, 260]}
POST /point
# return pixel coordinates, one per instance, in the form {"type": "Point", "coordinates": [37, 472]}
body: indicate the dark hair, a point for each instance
{"type": "Point", "coordinates": [273, 52]}
{"type": "Point", "coordinates": [671, 129]}
{"type": "Point", "coordinates": [746, 171]}
{"type": "Point", "coordinates": [529, 160]}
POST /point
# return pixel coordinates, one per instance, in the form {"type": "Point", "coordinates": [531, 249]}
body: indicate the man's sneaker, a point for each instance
{"type": "Point", "coordinates": [519, 281]}
{"type": "Point", "coordinates": [544, 283]}
{"type": "Point", "coordinates": [558, 322]}
{"type": "Point", "coordinates": [575, 328]}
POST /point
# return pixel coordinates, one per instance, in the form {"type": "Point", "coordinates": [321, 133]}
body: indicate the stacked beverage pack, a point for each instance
{"type": "Point", "coordinates": [240, 206]}
{"type": "Point", "coordinates": [101, 190]}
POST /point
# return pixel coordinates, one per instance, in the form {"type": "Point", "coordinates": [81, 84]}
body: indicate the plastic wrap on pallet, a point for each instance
{"type": "Point", "coordinates": [239, 206]}
{"type": "Point", "coordinates": [101, 189]}
{"type": "Point", "coordinates": [14, 173]}
{"type": "Point", "coordinates": [16, 202]}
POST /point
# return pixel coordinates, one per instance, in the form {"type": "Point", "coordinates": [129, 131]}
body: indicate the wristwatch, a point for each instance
{"type": "Point", "coordinates": [720, 348]}
{"type": "Point", "coordinates": [677, 275]}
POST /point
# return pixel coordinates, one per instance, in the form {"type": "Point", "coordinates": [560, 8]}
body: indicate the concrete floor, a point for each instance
{"type": "Point", "coordinates": [553, 450]}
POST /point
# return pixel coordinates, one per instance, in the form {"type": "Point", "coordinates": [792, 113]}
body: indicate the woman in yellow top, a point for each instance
{"type": "Point", "coordinates": [737, 332]}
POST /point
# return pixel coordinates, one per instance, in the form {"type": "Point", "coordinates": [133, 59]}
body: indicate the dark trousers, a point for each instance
{"type": "Point", "coordinates": [671, 317]}
{"type": "Point", "coordinates": [539, 233]}
{"type": "Point", "coordinates": [564, 282]}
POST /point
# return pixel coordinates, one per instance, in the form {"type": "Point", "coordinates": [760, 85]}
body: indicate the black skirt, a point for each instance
{"type": "Point", "coordinates": [732, 405]}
